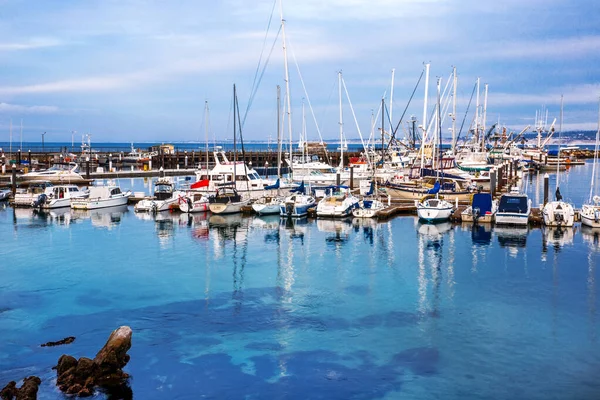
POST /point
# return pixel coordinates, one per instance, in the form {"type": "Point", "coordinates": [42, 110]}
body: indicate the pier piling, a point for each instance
{"type": "Point", "coordinates": [337, 179]}
{"type": "Point", "coordinates": [493, 183]}
{"type": "Point", "coordinates": [14, 180]}
{"type": "Point", "coordinates": [351, 177]}
{"type": "Point", "coordinates": [546, 184]}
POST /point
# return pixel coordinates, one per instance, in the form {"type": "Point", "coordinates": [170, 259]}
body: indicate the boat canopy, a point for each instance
{"type": "Point", "coordinates": [435, 189]}
{"type": "Point", "coordinates": [273, 187]}
{"type": "Point", "coordinates": [513, 204]}
{"type": "Point", "coordinates": [483, 201]}
{"type": "Point", "coordinates": [299, 189]}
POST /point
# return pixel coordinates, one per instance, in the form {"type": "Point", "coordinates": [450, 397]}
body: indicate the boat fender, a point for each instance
{"type": "Point", "coordinates": [596, 216]}
{"type": "Point", "coordinates": [189, 202]}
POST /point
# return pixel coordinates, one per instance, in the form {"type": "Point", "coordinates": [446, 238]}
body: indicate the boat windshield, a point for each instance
{"type": "Point", "coordinates": [513, 204]}
{"type": "Point", "coordinates": [163, 188]}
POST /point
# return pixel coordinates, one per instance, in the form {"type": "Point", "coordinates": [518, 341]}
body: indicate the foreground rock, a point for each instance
{"type": "Point", "coordinates": [81, 377]}
{"type": "Point", "coordinates": [27, 392]}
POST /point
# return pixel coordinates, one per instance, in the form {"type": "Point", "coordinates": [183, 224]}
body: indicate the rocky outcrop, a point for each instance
{"type": "Point", "coordinates": [28, 391]}
{"type": "Point", "coordinates": [81, 377]}
{"type": "Point", "coordinates": [66, 340]}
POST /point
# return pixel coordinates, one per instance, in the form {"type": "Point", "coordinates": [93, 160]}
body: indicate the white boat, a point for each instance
{"type": "Point", "coordinates": [58, 173]}
{"type": "Point", "coordinates": [267, 205]}
{"type": "Point", "coordinates": [105, 217]}
{"type": "Point", "coordinates": [165, 198]}
{"type": "Point", "coordinates": [590, 212]}
{"type": "Point", "coordinates": [558, 213]}
{"type": "Point", "coordinates": [434, 209]}
{"type": "Point", "coordinates": [513, 209]}
{"type": "Point", "coordinates": [4, 194]}
{"type": "Point", "coordinates": [482, 209]}
{"type": "Point", "coordinates": [29, 193]}
{"type": "Point", "coordinates": [193, 201]}
{"type": "Point", "coordinates": [101, 197]}
{"type": "Point", "coordinates": [369, 206]}
{"type": "Point", "coordinates": [339, 202]}
{"type": "Point", "coordinates": [62, 195]}
{"type": "Point", "coordinates": [227, 201]}
{"type": "Point", "coordinates": [297, 204]}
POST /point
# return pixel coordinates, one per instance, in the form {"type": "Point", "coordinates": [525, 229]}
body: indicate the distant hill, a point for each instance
{"type": "Point", "coordinates": [571, 135]}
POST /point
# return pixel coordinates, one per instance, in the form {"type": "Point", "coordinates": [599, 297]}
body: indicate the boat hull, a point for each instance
{"type": "Point", "coordinates": [266, 209]}
{"type": "Point", "coordinates": [590, 216]}
{"type": "Point", "coordinates": [94, 204]}
{"type": "Point", "coordinates": [227, 208]}
{"type": "Point", "coordinates": [408, 193]}
{"type": "Point", "coordinates": [558, 214]}
{"type": "Point", "coordinates": [434, 214]}
{"type": "Point", "coordinates": [512, 218]}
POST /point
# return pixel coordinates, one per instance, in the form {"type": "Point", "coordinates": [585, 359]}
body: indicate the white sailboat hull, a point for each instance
{"type": "Point", "coordinates": [590, 215]}
{"type": "Point", "coordinates": [558, 213]}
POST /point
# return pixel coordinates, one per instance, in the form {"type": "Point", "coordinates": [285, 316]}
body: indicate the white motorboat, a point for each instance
{"type": "Point", "coordinates": [165, 198]}
{"type": "Point", "coordinates": [193, 201]}
{"type": "Point", "coordinates": [29, 193]}
{"type": "Point", "coordinates": [101, 197]}
{"type": "Point", "coordinates": [227, 201]}
{"type": "Point", "coordinates": [4, 194]}
{"type": "Point", "coordinates": [514, 209]}
{"type": "Point", "coordinates": [339, 202]}
{"type": "Point", "coordinates": [58, 173]}
{"type": "Point", "coordinates": [297, 204]}
{"type": "Point", "coordinates": [62, 195]}
{"type": "Point", "coordinates": [482, 209]}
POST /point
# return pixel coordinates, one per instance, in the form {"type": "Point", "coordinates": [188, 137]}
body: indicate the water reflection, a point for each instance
{"type": "Point", "coordinates": [512, 237]}
{"type": "Point", "coordinates": [591, 236]}
{"type": "Point", "coordinates": [556, 238]}
{"type": "Point", "coordinates": [297, 227]}
{"type": "Point", "coordinates": [36, 218]}
{"type": "Point", "coordinates": [269, 223]}
{"type": "Point", "coordinates": [107, 217]}
{"type": "Point", "coordinates": [340, 228]}
{"type": "Point", "coordinates": [368, 226]}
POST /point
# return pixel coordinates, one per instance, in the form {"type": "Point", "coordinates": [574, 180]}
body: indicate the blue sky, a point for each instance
{"type": "Point", "coordinates": [131, 70]}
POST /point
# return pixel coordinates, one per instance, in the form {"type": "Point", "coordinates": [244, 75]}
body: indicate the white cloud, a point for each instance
{"type": "Point", "coordinates": [6, 108]}
{"type": "Point", "coordinates": [573, 94]}
{"type": "Point", "coordinates": [576, 46]}
{"type": "Point", "coordinates": [34, 43]}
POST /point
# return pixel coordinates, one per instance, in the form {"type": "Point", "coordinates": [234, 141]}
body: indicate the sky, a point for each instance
{"type": "Point", "coordinates": [132, 70]}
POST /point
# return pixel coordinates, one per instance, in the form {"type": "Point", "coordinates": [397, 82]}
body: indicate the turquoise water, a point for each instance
{"type": "Point", "coordinates": [245, 307]}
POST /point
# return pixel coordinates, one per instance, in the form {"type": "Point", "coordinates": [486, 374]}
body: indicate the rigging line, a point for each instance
{"type": "Point", "coordinates": [466, 113]}
{"type": "Point", "coordinates": [263, 46]}
{"type": "Point", "coordinates": [237, 108]}
{"type": "Point", "coordinates": [262, 74]}
{"type": "Point", "coordinates": [308, 99]}
{"type": "Point", "coordinates": [406, 108]}
{"type": "Point", "coordinates": [355, 120]}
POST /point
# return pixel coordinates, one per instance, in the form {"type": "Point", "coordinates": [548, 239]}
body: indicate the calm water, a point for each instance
{"type": "Point", "coordinates": [235, 307]}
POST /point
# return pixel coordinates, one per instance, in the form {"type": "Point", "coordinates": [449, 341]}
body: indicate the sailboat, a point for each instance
{"type": "Point", "coordinates": [432, 208]}
{"type": "Point", "coordinates": [590, 212]}
{"type": "Point", "coordinates": [558, 213]}
{"type": "Point", "coordinates": [228, 200]}
{"type": "Point", "coordinates": [297, 204]}
{"type": "Point", "coordinates": [271, 204]}
{"type": "Point", "coordinates": [370, 205]}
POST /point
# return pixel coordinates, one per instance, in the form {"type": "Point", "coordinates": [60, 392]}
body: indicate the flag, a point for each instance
{"type": "Point", "coordinates": [200, 184]}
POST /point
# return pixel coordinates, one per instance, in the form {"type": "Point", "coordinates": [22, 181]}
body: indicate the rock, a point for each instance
{"type": "Point", "coordinates": [28, 390]}
{"type": "Point", "coordinates": [9, 391]}
{"type": "Point", "coordinates": [81, 377]}
{"type": "Point", "coordinates": [66, 340]}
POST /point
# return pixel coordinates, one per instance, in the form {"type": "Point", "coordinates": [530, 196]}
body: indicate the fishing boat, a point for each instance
{"type": "Point", "coordinates": [514, 209]}
{"type": "Point", "coordinates": [193, 201]}
{"type": "Point", "coordinates": [104, 196]}
{"type": "Point", "coordinates": [297, 204]}
{"type": "Point", "coordinates": [58, 173]}
{"type": "Point", "coordinates": [227, 201]}
{"type": "Point", "coordinates": [590, 212]}
{"type": "Point", "coordinates": [62, 196]}
{"type": "Point", "coordinates": [339, 202]}
{"type": "Point", "coordinates": [164, 198]}
{"type": "Point", "coordinates": [29, 193]}
{"type": "Point", "coordinates": [482, 209]}
{"type": "Point", "coordinates": [558, 213]}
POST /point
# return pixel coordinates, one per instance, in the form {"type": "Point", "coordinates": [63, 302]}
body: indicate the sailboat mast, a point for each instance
{"type": "Point", "coordinates": [287, 78]}
{"type": "Point", "coordinates": [392, 97]}
{"type": "Point", "coordinates": [483, 131]}
{"type": "Point", "coordinates": [454, 83]}
{"type": "Point", "coordinates": [234, 134]}
{"type": "Point", "coordinates": [559, 135]}
{"type": "Point", "coordinates": [439, 126]}
{"type": "Point", "coordinates": [424, 116]}
{"type": "Point", "coordinates": [206, 132]}
{"type": "Point", "coordinates": [341, 122]}
{"type": "Point", "coordinates": [595, 155]}
{"type": "Point", "coordinates": [21, 137]}
{"type": "Point", "coordinates": [10, 138]}
{"type": "Point", "coordinates": [477, 114]}
{"type": "Point", "coordinates": [382, 128]}
{"type": "Point", "coordinates": [278, 133]}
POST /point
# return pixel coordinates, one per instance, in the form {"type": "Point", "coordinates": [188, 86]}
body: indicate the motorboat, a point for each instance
{"type": "Point", "coordinates": [338, 202]}
{"type": "Point", "coordinates": [482, 209]}
{"type": "Point", "coordinates": [58, 173]}
{"type": "Point", "coordinates": [227, 201]}
{"type": "Point", "coordinates": [165, 198]}
{"type": "Point", "coordinates": [558, 213]}
{"type": "Point", "coordinates": [101, 197]}
{"type": "Point", "coordinates": [513, 209]}
{"type": "Point", "coordinates": [297, 204]}
{"type": "Point", "coordinates": [61, 196]}
{"type": "Point", "coordinates": [29, 193]}
{"type": "Point", "coordinates": [193, 201]}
